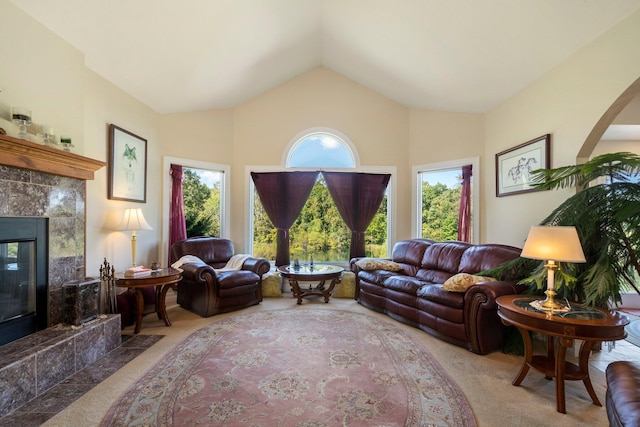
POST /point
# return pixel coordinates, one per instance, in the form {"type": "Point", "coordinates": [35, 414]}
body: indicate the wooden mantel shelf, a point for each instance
{"type": "Point", "coordinates": [29, 155]}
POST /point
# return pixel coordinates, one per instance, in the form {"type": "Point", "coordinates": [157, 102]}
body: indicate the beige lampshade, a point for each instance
{"type": "Point", "coordinates": [133, 219]}
{"type": "Point", "coordinates": [554, 243]}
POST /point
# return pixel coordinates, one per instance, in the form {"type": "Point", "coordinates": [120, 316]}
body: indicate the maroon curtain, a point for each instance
{"type": "Point", "coordinates": [283, 195]}
{"type": "Point", "coordinates": [464, 216]}
{"type": "Point", "coordinates": [357, 197]}
{"type": "Point", "coordinates": [177, 224]}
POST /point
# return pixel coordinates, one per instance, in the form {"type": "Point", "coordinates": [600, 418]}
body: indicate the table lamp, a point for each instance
{"type": "Point", "coordinates": [133, 220]}
{"type": "Point", "coordinates": [553, 244]}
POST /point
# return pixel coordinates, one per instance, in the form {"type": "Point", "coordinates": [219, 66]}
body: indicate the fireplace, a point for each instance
{"type": "Point", "coordinates": [24, 259]}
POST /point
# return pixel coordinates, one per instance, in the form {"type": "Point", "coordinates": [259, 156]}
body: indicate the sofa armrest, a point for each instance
{"type": "Point", "coordinates": [486, 331]}
{"type": "Point", "coordinates": [259, 266]}
{"type": "Point", "coordinates": [486, 293]}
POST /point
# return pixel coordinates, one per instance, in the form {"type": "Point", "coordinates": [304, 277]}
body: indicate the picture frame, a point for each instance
{"type": "Point", "coordinates": [514, 165]}
{"type": "Point", "coordinates": [127, 166]}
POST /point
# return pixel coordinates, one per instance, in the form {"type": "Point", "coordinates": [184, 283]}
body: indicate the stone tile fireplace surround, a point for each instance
{"type": "Point", "coordinates": [37, 191]}
{"type": "Point", "coordinates": [39, 181]}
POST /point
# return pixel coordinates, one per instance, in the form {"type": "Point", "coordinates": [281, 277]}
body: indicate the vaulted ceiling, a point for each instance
{"type": "Point", "coordinates": [452, 55]}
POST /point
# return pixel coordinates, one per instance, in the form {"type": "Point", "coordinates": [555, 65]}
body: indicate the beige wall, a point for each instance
{"type": "Point", "coordinates": [44, 73]}
{"type": "Point", "coordinates": [567, 102]}
{"type": "Point", "coordinates": [265, 125]}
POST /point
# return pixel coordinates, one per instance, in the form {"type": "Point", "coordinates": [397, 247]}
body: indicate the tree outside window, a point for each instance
{"type": "Point", "coordinates": [319, 231]}
{"type": "Point", "coordinates": [441, 192]}
{"type": "Point", "coordinates": [202, 202]}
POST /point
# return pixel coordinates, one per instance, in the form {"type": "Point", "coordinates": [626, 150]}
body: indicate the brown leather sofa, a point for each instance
{"type": "Point", "coordinates": [206, 292]}
{"type": "Point", "coordinates": [623, 394]}
{"type": "Point", "coordinates": [415, 295]}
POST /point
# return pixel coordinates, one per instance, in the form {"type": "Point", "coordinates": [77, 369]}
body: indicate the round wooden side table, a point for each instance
{"type": "Point", "coordinates": [161, 280]}
{"type": "Point", "coordinates": [589, 325]}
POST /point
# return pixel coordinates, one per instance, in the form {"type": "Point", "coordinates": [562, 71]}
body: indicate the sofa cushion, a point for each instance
{"type": "Point", "coordinates": [436, 294]}
{"type": "Point", "coordinates": [375, 276]}
{"type": "Point", "coordinates": [623, 393]}
{"type": "Point", "coordinates": [406, 284]}
{"type": "Point", "coordinates": [484, 257]}
{"type": "Point", "coordinates": [462, 281]}
{"type": "Point", "coordinates": [230, 279]}
{"type": "Point", "coordinates": [378, 264]}
{"type": "Point", "coordinates": [444, 256]}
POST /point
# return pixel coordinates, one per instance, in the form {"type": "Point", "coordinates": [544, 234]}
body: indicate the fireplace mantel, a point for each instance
{"type": "Point", "coordinates": [29, 155]}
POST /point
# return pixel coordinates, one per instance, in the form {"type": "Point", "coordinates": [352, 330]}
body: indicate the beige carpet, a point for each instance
{"type": "Point", "coordinates": [486, 380]}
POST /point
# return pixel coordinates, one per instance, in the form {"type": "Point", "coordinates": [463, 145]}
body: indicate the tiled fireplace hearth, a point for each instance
{"type": "Point", "coordinates": [39, 181]}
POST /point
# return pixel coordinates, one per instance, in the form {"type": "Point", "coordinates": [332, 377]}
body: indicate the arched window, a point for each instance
{"type": "Point", "coordinates": [320, 149]}
{"type": "Point", "coordinates": [319, 231]}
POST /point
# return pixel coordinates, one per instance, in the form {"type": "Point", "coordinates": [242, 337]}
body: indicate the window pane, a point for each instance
{"type": "Point", "coordinates": [320, 150]}
{"type": "Point", "coordinates": [440, 204]}
{"type": "Point", "coordinates": [319, 231]}
{"type": "Point", "coordinates": [202, 201]}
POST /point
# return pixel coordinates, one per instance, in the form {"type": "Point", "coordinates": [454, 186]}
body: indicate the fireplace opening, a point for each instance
{"type": "Point", "coordinates": [24, 265]}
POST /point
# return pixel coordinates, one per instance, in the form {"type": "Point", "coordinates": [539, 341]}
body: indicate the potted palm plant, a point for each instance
{"type": "Point", "coordinates": [606, 214]}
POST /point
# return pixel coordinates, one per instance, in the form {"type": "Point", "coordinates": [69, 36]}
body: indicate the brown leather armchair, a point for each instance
{"type": "Point", "coordinates": [205, 291]}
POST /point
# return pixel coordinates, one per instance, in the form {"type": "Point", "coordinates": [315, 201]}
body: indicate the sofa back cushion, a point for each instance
{"type": "Point", "coordinates": [409, 254]}
{"type": "Point", "coordinates": [441, 260]}
{"type": "Point", "coordinates": [212, 250]}
{"type": "Point", "coordinates": [483, 257]}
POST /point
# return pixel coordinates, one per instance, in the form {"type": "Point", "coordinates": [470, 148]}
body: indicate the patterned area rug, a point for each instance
{"type": "Point", "coordinates": [304, 368]}
{"type": "Point", "coordinates": [633, 332]}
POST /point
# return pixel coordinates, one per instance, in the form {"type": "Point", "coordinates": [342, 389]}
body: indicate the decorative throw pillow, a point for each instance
{"type": "Point", "coordinates": [271, 285]}
{"type": "Point", "coordinates": [462, 281]}
{"type": "Point", "coordinates": [347, 286]}
{"type": "Point", "coordinates": [378, 264]}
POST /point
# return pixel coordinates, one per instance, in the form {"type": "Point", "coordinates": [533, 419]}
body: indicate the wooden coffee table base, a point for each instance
{"type": "Point", "coordinates": [319, 290]}
{"type": "Point", "coordinates": [309, 273]}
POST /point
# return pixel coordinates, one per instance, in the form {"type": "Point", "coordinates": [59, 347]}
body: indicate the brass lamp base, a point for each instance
{"type": "Point", "coordinates": [550, 303]}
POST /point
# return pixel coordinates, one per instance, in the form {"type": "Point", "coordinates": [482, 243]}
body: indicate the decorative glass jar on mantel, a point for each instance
{"type": "Point", "coordinates": [21, 117]}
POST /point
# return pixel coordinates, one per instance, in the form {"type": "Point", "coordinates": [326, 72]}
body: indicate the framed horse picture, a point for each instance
{"type": "Point", "coordinates": [514, 166]}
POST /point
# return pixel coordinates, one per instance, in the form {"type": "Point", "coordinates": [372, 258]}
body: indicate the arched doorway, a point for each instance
{"type": "Point", "coordinates": [606, 120]}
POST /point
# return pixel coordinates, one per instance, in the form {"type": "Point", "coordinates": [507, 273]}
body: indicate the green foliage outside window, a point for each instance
{"type": "Point", "coordinates": [440, 211]}
{"type": "Point", "coordinates": [319, 231]}
{"type": "Point", "coordinates": [201, 206]}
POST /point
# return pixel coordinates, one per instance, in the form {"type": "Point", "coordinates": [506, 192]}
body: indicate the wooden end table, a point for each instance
{"type": "Point", "coordinates": [161, 280]}
{"type": "Point", "coordinates": [316, 273]}
{"type": "Point", "coordinates": [590, 325]}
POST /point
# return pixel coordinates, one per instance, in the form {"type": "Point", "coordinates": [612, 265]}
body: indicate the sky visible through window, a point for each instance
{"type": "Point", "coordinates": [450, 178]}
{"type": "Point", "coordinates": [209, 178]}
{"type": "Point", "coordinates": [320, 151]}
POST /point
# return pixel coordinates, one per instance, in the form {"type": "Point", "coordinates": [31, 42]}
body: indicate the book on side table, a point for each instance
{"type": "Point", "coordinates": [137, 271]}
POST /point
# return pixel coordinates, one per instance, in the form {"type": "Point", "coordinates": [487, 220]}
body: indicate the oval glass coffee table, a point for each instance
{"type": "Point", "coordinates": [312, 273]}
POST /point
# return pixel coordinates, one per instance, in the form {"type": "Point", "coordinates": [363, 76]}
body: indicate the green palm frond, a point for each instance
{"type": "Point", "coordinates": [606, 214]}
{"type": "Point", "coordinates": [612, 166]}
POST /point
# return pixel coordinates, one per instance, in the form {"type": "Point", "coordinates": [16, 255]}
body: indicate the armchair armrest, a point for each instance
{"type": "Point", "coordinates": [198, 272]}
{"type": "Point", "coordinates": [259, 266]}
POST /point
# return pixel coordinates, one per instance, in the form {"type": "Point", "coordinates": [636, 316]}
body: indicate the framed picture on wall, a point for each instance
{"type": "Point", "coordinates": [127, 166]}
{"type": "Point", "coordinates": [514, 166]}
